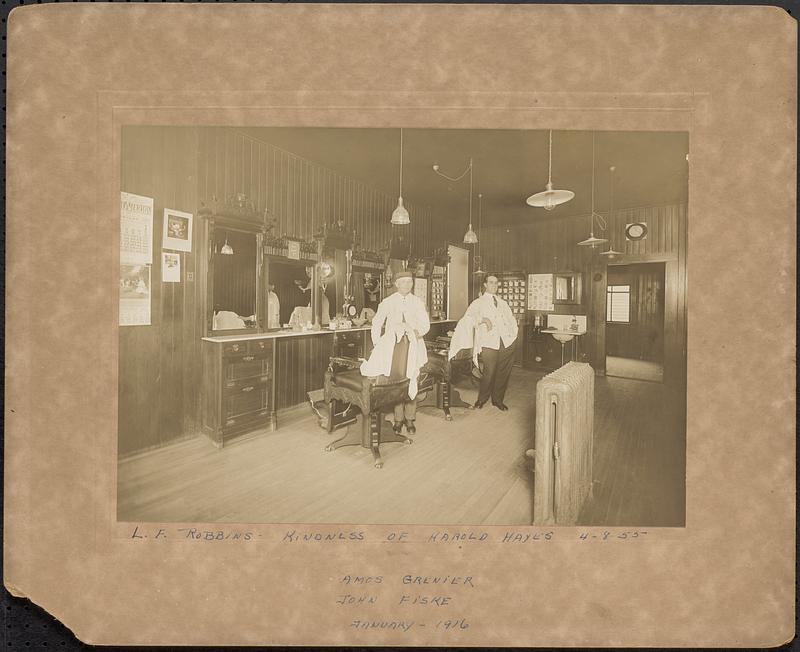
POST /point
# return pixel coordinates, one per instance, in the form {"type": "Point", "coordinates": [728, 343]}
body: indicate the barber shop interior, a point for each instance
{"type": "Point", "coordinates": [402, 326]}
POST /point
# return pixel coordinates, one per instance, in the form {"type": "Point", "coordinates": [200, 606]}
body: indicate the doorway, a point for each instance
{"type": "Point", "coordinates": [635, 321]}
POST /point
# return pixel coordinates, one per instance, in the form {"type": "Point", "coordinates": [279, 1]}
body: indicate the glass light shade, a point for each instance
{"type": "Point", "coordinates": [549, 199]}
{"type": "Point", "coordinates": [611, 254]}
{"type": "Point", "coordinates": [592, 242]}
{"type": "Point", "coordinates": [226, 249]}
{"type": "Point", "coordinates": [470, 237]}
{"type": "Point", "coordinates": [400, 214]}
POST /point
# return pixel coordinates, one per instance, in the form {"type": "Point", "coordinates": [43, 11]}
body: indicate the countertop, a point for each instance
{"type": "Point", "coordinates": [241, 337]}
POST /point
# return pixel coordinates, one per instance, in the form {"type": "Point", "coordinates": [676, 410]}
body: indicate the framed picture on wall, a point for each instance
{"type": "Point", "coordinates": [177, 230]}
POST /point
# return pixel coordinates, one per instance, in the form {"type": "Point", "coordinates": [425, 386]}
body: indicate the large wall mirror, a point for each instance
{"type": "Point", "coordinates": [234, 278]}
{"type": "Point", "coordinates": [567, 288]}
{"type": "Point", "coordinates": [290, 288]}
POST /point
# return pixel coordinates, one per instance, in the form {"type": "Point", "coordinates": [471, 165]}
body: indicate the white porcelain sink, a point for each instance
{"type": "Point", "coordinates": [564, 336]}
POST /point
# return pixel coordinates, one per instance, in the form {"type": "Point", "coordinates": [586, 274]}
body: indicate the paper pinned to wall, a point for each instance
{"type": "Point", "coordinates": [540, 292]}
{"type": "Point", "coordinates": [134, 295]}
{"type": "Point", "coordinates": [170, 267]}
{"type": "Point", "coordinates": [136, 229]}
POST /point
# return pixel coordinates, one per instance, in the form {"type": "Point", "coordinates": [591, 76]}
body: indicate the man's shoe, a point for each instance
{"type": "Point", "coordinates": [398, 428]}
{"type": "Point", "coordinates": [479, 404]}
{"type": "Point", "coordinates": [500, 406]}
{"type": "Point", "coordinates": [410, 427]}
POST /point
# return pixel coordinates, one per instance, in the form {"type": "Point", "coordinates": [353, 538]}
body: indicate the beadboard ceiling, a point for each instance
{"type": "Point", "coordinates": [509, 165]}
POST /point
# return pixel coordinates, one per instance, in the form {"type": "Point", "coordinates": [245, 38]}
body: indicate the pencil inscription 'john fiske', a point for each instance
{"type": "Point", "coordinates": [356, 599]}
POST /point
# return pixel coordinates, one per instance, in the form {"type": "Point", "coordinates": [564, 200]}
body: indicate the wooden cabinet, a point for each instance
{"type": "Point", "coordinates": [350, 344]}
{"type": "Point", "coordinates": [542, 346]}
{"type": "Point", "coordinates": [237, 388]}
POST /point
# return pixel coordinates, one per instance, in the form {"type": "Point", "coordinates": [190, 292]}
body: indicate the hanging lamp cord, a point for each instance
{"type": "Point", "coordinates": [470, 193]}
{"type": "Point", "coordinates": [550, 160]}
{"type": "Point", "coordinates": [591, 217]}
{"type": "Point", "coordinates": [458, 178]}
{"type": "Point", "coordinates": [401, 161]}
{"type": "Point", "coordinates": [480, 213]}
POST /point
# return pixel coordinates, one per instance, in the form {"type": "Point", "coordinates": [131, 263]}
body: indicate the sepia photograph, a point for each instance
{"type": "Point", "coordinates": [479, 335]}
{"type": "Point", "coordinates": [409, 326]}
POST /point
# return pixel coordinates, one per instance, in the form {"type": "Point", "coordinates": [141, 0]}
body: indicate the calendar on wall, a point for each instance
{"type": "Point", "coordinates": [540, 292]}
{"type": "Point", "coordinates": [512, 287]}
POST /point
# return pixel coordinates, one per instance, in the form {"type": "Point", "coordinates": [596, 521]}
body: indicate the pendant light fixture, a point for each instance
{"type": "Point", "coordinates": [591, 241]}
{"type": "Point", "coordinates": [400, 214]}
{"type": "Point", "coordinates": [549, 198]}
{"type": "Point", "coordinates": [478, 252]}
{"type": "Point", "coordinates": [610, 253]}
{"type": "Point", "coordinates": [470, 237]}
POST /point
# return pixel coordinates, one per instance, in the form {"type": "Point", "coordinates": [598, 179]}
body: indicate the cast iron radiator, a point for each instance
{"type": "Point", "coordinates": [564, 435]}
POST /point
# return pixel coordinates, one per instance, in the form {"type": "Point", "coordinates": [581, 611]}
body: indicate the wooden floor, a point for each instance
{"type": "Point", "coordinates": [634, 369]}
{"type": "Point", "coordinates": [472, 470]}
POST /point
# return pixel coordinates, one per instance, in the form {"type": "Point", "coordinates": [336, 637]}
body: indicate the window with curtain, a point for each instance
{"type": "Point", "coordinates": [618, 304]}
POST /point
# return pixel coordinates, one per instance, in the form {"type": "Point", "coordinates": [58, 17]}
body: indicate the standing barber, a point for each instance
{"type": "Point", "coordinates": [495, 339]}
{"type": "Point", "coordinates": [397, 333]}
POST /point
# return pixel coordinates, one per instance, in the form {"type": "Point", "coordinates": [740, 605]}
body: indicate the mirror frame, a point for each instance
{"type": "Point", "coordinates": [577, 298]}
{"type": "Point", "coordinates": [213, 222]}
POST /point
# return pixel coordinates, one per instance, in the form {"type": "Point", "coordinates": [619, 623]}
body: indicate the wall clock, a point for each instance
{"type": "Point", "coordinates": [636, 231]}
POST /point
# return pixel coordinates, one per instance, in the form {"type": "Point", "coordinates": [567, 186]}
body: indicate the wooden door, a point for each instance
{"type": "Point", "coordinates": [641, 337]}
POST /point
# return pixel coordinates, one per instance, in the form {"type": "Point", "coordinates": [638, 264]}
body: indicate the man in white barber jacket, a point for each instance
{"type": "Point", "coordinates": [397, 335]}
{"type": "Point", "coordinates": [495, 339]}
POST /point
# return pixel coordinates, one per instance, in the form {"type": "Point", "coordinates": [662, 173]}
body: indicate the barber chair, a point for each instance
{"type": "Point", "coordinates": [372, 396]}
{"type": "Point", "coordinates": [435, 387]}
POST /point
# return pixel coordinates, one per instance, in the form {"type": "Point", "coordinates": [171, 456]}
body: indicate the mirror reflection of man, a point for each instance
{"type": "Point", "coordinates": [495, 338]}
{"type": "Point", "coordinates": [273, 308]}
{"type": "Point", "coordinates": [400, 350]}
{"type": "Point", "coordinates": [324, 301]}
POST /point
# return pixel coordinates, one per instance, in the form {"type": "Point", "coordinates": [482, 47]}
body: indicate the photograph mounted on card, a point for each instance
{"type": "Point", "coordinates": [170, 267]}
{"type": "Point", "coordinates": [134, 295]}
{"type": "Point", "coordinates": [177, 230]}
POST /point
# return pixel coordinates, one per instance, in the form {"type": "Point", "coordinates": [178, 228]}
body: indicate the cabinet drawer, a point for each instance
{"type": "Point", "coordinates": [348, 350]}
{"type": "Point", "coordinates": [249, 420]}
{"type": "Point", "coordinates": [349, 336]}
{"type": "Point", "coordinates": [242, 384]}
{"type": "Point", "coordinates": [244, 399]}
{"type": "Point", "coordinates": [246, 367]}
{"type": "Point", "coordinates": [234, 348]}
{"type": "Point", "coordinates": [260, 347]}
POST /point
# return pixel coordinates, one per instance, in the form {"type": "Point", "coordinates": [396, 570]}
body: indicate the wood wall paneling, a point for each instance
{"type": "Point", "coordinates": [302, 195]}
{"type": "Point", "coordinates": [533, 247]}
{"type": "Point", "coordinates": [158, 364]}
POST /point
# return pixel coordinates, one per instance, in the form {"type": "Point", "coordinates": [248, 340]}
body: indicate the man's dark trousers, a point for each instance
{"type": "Point", "coordinates": [497, 364]}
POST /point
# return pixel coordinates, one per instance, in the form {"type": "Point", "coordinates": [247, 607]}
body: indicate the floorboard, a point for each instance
{"type": "Point", "coordinates": [470, 471]}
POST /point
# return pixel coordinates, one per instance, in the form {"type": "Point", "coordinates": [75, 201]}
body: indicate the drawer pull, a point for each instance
{"type": "Point", "coordinates": [248, 389]}
{"type": "Point", "coordinates": [248, 358]}
{"type": "Point", "coordinates": [230, 422]}
{"type": "Point", "coordinates": [235, 347]}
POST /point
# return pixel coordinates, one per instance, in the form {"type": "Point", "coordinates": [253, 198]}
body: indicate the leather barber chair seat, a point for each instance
{"type": "Point", "coordinates": [434, 383]}
{"type": "Point", "coordinates": [435, 386]}
{"type": "Point", "coordinates": [344, 385]}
